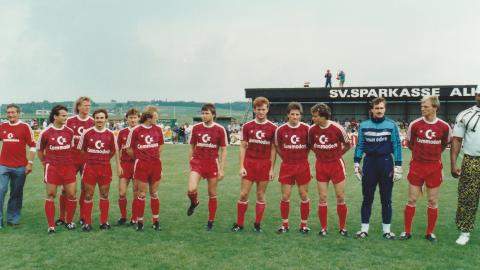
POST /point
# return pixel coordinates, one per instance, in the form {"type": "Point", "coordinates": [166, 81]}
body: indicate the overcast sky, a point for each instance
{"type": "Point", "coordinates": [212, 50]}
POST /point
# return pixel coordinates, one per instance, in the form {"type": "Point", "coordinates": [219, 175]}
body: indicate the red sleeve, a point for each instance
{"type": "Point", "coordinates": [29, 138]}
{"type": "Point", "coordinates": [223, 137]}
{"type": "Point", "coordinates": [193, 137]}
{"type": "Point", "coordinates": [161, 141]}
{"type": "Point", "coordinates": [113, 144]}
{"type": "Point", "coordinates": [245, 133]}
{"type": "Point", "coordinates": [411, 133]}
{"type": "Point", "coordinates": [82, 145]}
{"type": "Point", "coordinates": [42, 142]}
{"type": "Point", "coordinates": [447, 136]}
{"type": "Point", "coordinates": [131, 140]}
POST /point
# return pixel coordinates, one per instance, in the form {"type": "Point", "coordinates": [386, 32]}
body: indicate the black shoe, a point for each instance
{"type": "Point", "coordinates": [60, 222]}
{"type": "Point", "coordinates": [304, 230]}
{"type": "Point", "coordinates": [209, 225]}
{"type": "Point", "coordinates": [139, 227]}
{"type": "Point", "coordinates": [105, 226]}
{"type": "Point", "coordinates": [191, 208]}
{"type": "Point", "coordinates": [405, 236]}
{"type": "Point", "coordinates": [156, 226]}
{"type": "Point", "coordinates": [70, 226]}
{"type": "Point", "coordinates": [431, 237]}
{"type": "Point", "coordinates": [323, 232]}
{"type": "Point", "coordinates": [283, 230]}
{"type": "Point", "coordinates": [343, 233]}
{"type": "Point", "coordinates": [51, 231]}
{"type": "Point", "coordinates": [361, 235]}
{"type": "Point", "coordinates": [81, 221]}
{"type": "Point", "coordinates": [257, 227]}
{"type": "Point", "coordinates": [389, 236]}
{"type": "Point", "coordinates": [121, 221]}
{"type": "Point", "coordinates": [237, 228]}
{"type": "Point", "coordinates": [87, 227]}
{"type": "Point", "coordinates": [132, 223]}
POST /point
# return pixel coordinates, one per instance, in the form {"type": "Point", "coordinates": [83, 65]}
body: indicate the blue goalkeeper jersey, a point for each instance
{"type": "Point", "coordinates": [379, 137]}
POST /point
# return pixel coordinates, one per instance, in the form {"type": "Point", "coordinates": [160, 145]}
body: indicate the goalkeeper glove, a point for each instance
{"type": "Point", "coordinates": [358, 171]}
{"type": "Point", "coordinates": [397, 173]}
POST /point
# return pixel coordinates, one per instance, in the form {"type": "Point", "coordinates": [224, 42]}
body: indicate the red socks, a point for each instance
{"type": "Point", "coordinates": [122, 204]}
{"type": "Point", "coordinates": [193, 196]}
{"type": "Point", "coordinates": [134, 210]}
{"type": "Point", "coordinates": [80, 203]}
{"type": "Point", "coordinates": [155, 206]}
{"type": "Point", "coordinates": [304, 213]}
{"type": "Point", "coordinates": [259, 209]}
{"type": "Point", "coordinates": [61, 201]}
{"type": "Point", "coordinates": [87, 211]}
{"type": "Point", "coordinates": [104, 205]}
{"type": "Point", "coordinates": [212, 207]}
{"type": "Point", "coordinates": [432, 214]}
{"type": "Point", "coordinates": [140, 209]}
{"type": "Point", "coordinates": [50, 213]}
{"type": "Point", "coordinates": [408, 219]}
{"type": "Point", "coordinates": [71, 205]}
{"type": "Point", "coordinates": [322, 215]}
{"type": "Point", "coordinates": [342, 215]}
{"type": "Point", "coordinates": [284, 212]}
{"type": "Point", "coordinates": [241, 209]}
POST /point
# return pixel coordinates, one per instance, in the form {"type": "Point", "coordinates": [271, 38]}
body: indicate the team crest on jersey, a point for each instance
{"type": "Point", "coordinates": [206, 141]}
{"type": "Point", "coordinates": [323, 143]}
{"type": "Point", "coordinates": [10, 138]}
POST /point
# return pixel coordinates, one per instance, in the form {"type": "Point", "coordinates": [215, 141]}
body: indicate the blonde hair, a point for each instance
{"type": "Point", "coordinates": [79, 101]}
{"type": "Point", "coordinates": [434, 100]}
{"type": "Point", "coordinates": [148, 113]}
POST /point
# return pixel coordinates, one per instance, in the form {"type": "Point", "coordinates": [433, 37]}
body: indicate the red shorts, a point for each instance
{"type": "Point", "coordinates": [257, 169]}
{"type": "Point", "coordinates": [97, 173]}
{"type": "Point", "coordinates": [429, 172]}
{"type": "Point", "coordinates": [147, 171]}
{"type": "Point", "coordinates": [127, 169]}
{"type": "Point", "coordinates": [207, 168]}
{"type": "Point", "coordinates": [59, 174]}
{"type": "Point", "coordinates": [330, 170]}
{"type": "Point", "coordinates": [294, 173]}
{"type": "Point", "coordinates": [78, 161]}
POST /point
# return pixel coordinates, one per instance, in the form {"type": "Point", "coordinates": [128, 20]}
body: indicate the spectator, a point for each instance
{"type": "Point", "coordinates": [328, 79]}
{"type": "Point", "coordinates": [341, 78]}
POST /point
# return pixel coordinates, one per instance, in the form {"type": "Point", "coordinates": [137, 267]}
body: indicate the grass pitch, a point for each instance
{"type": "Point", "coordinates": [184, 243]}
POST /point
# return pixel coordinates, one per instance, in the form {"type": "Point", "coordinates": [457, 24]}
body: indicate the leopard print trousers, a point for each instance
{"type": "Point", "coordinates": [468, 193]}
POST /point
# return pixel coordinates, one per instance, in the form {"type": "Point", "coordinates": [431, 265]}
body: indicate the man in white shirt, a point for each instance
{"type": "Point", "coordinates": [467, 130]}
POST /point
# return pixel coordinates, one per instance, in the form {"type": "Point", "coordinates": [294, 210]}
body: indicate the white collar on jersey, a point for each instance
{"type": "Point", "coordinates": [86, 118]}
{"type": "Point", "coordinates": [99, 130]}
{"type": "Point", "coordinates": [328, 124]}
{"type": "Point", "coordinates": [261, 123]}
{"type": "Point", "coordinates": [213, 124]}
{"type": "Point", "coordinates": [432, 122]}
{"type": "Point", "coordinates": [146, 126]}
{"type": "Point", "coordinates": [16, 123]}
{"type": "Point", "coordinates": [299, 124]}
{"type": "Point", "coordinates": [54, 127]}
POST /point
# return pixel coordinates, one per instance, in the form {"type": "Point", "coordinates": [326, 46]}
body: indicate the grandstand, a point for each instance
{"type": "Point", "coordinates": [352, 102]}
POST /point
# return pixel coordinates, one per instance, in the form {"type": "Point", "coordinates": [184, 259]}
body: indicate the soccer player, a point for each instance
{"type": "Point", "coordinates": [329, 141]}
{"type": "Point", "coordinates": [78, 123]}
{"type": "Point", "coordinates": [257, 160]}
{"type": "Point", "coordinates": [126, 167]}
{"type": "Point", "coordinates": [14, 165]}
{"type": "Point", "coordinates": [145, 143]}
{"type": "Point", "coordinates": [208, 141]}
{"type": "Point", "coordinates": [291, 140]}
{"type": "Point", "coordinates": [427, 137]}
{"type": "Point", "coordinates": [54, 150]}
{"type": "Point", "coordinates": [98, 147]}
{"type": "Point", "coordinates": [378, 138]}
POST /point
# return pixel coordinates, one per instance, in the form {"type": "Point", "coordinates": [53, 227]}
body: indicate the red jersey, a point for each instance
{"type": "Point", "coordinates": [98, 145]}
{"type": "Point", "coordinates": [428, 139]}
{"type": "Point", "coordinates": [121, 144]}
{"type": "Point", "coordinates": [292, 142]}
{"type": "Point", "coordinates": [207, 140]}
{"type": "Point", "coordinates": [57, 144]}
{"type": "Point", "coordinates": [260, 137]}
{"type": "Point", "coordinates": [78, 126]}
{"type": "Point", "coordinates": [15, 138]}
{"type": "Point", "coordinates": [326, 142]}
{"type": "Point", "coordinates": [145, 142]}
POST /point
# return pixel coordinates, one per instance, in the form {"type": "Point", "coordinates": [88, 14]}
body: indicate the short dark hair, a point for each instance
{"type": "Point", "coordinates": [322, 109]}
{"type": "Point", "coordinates": [55, 112]}
{"type": "Point", "coordinates": [14, 106]}
{"type": "Point", "coordinates": [132, 111]}
{"type": "Point", "coordinates": [100, 111]}
{"type": "Point", "coordinates": [209, 107]}
{"type": "Point", "coordinates": [377, 101]}
{"type": "Point", "coordinates": [294, 106]}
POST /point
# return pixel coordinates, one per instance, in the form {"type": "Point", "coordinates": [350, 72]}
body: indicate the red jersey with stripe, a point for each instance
{"type": "Point", "coordinates": [428, 139]}
{"type": "Point", "coordinates": [78, 126]}
{"type": "Point", "coordinates": [292, 142]}
{"type": "Point", "coordinates": [15, 138]}
{"type": "Point", "coordinates": [260, 137]}
{"type": "Point", "coordinates": [207, 140]}
{"type": "Point", "coordinates": [57, 144]}
{"type": "Point", "coordinates": [326, 142]}
{"type": "Point", "coordinates": [145, 142]}
{"type": "Point", "coordinates": [121, 144]}
{"type": "Point", "coordinates": [98, 145]}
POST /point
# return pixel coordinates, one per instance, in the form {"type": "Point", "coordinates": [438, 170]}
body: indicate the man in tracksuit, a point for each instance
{"type": "Point", "coordinates": [378, 138]}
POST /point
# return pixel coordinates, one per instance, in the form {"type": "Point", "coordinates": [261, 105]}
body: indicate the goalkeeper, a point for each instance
{"type": "Point", "coordinates": [378, 138]}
